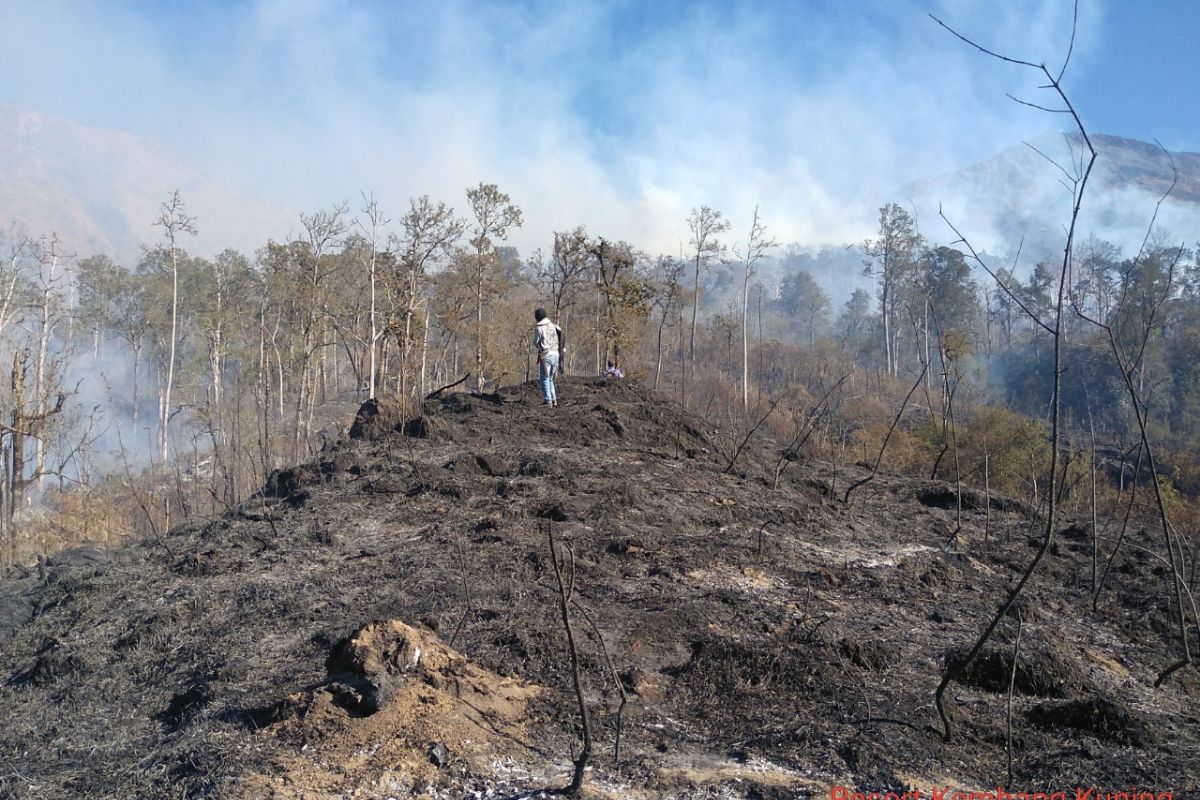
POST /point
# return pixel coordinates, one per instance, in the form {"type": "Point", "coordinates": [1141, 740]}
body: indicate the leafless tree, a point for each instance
{"type": "Point", "coordinates": [669, 279]}
{"type": "Point", "coordinates": [25, 424]}
{"type": "Point", "coordinates": [50, 315]}
{"type": "Point", "coordinates": [566, 591]}
{"type": "Point", "coordinates": [1128, 355]}
{"type": "Point", "coordinates": [705, 224]}
{"type": "Point", "coordinates": [323, 231]}
{"type": "Point", "coordinates": [757, 244]}
{"type": "Point", "coordinates": [431, 229]}
{"type": "Point", "coordinates": [175, 222]}
{"type": "Point", "coordinates": [494, 214]}
{"type": "Point", "coordinates": [887, 437]}
{"type": "Point", "coordinates": [1077, 182]}
{"type": "Point", "coordinates": [372, 224]}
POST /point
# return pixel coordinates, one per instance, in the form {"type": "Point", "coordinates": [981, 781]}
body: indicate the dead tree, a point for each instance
{"type": "Point", "coordinates": [1124, 527]}
{"type": "Point", "coordinates": [670, 275]}
{"type": "Point", "coordinates": [1012, 684]}
{"type": "Point", "coordinates": [705, 225]}
{"type": "Point", "coordinates": [887, 438]}
{"type": "Point", "coordinates": [566, 590]}
{"type": "Point", "coordinates": [756, 246]}
{"type": "Point", "coordinates": [746, 439]}
{"type": "Point", "coordinates": [323, 231]}
{"type": "Point", "coordinates": [430, 233]}
{"type": "Point", "coordinates": [174, 222]}
{"type": "Point", "coordinates": [1078, 184]}
{"type": "Point", "coordinates": [1128, 362]}
{"type": "Point", "coordinates": [948, 354]}
{"type": "Point", "coordinates": [24, 425]}
{"type": "Point", "coordinates": [616, 677]}
{"type": "Point", "coordinates": [805, 430]}
{"type": "Point", "coordinates": [371, 224]}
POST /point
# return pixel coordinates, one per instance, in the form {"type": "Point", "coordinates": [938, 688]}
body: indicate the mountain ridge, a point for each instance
{"type": "Point", "coordinates": [1023, 194]}
{"type": "Point", "coordinates": [100, 190]}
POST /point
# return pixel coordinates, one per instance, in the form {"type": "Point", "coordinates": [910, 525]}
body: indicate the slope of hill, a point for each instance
{"type": "Point", "coordinates": [1019, 193]}
{"type": "Point", "coordinates": [384, 622]}
{"type": "Point", "coordinates": [101, 190]}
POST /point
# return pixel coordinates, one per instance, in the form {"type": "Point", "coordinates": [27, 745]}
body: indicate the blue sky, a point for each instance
{"type": "Point", "coordinates": [1142, 81]}
{"type": "Point", "coordinates": [618, 115]}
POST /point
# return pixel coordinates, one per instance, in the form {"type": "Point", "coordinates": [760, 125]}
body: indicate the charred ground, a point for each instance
{"type": "Point", "coordinates": [771, 642]}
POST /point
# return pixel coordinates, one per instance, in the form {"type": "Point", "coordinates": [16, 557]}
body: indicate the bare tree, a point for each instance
{"type": "Point", "coordinates": [669, 278]}
{"type": "Point", "coordinates": [494, 215]}
{"type": "Point", "coordinates": [1129, 358]}
{"type": "Point", "coordinates": [757, 243]}
{"type": "Point", "coordinates": [25, 424]}
{"type": "Point", "coordinates": [705, 225]}
{"type": "Point", "coordinates": [175, 222]}
{"type": "Point", "coordinates": [227, 286]}
{"type": "Point", "coordinates": [430, 232]}
{"type": "Point", "coordinates": [20, 249]}
{"type": "Point", "coordinates": [50, 315]}
{"type": "Point", "coordinates": [1077, 183]}
{"type": "Point", "coordinates": [566, 592]}
{"type": "Point", "coordinates": [323, 231]}
{"type": "Point", "coordinates": [887, 437]}
{"type": "Point", "coordinates": [372, 224]}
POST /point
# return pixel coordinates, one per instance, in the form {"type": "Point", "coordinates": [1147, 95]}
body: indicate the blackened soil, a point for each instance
{"type": "Point", "coordinates": [749, 625]}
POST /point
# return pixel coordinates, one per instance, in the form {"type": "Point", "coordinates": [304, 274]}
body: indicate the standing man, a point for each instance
{"type": "Point", "coordinates": [547, 339]}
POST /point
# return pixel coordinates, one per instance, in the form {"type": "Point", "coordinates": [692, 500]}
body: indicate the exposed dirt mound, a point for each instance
{"type": "Point", "coordinates": [369, 669]}
{"type": "Point", "coordinates": [399, 713]}
{"type": "Point", "coordinates": [767, 642]}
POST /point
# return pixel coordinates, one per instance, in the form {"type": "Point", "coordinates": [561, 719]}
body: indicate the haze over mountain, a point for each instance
{"type": "Point", "coordinates": [100, 190]}
{"type": "Point", "coordinates": [1019, 198]}
{"type": "Point", "coordinates": [1020, 193]}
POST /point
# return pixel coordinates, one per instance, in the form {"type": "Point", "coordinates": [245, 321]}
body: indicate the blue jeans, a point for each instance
{"type": "Point", "coordinates": [549, 368]}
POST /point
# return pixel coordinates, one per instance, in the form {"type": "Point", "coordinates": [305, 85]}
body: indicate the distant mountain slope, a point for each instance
{"type": "Point", "coordinates": [1020, 193]}
{"type": "Point", "coordinates": [101, 190]}
{"type": "Point", "coordinates": [1136, 164]}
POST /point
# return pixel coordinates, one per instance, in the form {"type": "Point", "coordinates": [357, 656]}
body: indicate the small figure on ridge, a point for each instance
{"type": "Point", "coordinates": [549, 341]}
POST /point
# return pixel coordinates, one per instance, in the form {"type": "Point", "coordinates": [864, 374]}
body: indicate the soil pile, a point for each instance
{"type": "Point", "coordinates": [383, 622]}
{"type": "Point", "coordinates": [397, 707]}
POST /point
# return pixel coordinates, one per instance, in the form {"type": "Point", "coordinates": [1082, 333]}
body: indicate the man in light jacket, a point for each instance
{"type": "Point", "coordinates": [548, 340]}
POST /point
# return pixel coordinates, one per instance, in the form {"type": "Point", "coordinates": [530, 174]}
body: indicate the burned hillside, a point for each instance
{"type": "Point", "coordinates": [384, 622]}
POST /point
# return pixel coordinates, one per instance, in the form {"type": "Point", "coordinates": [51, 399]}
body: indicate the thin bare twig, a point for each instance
{"type": "Point", "coordinates": [566, 590]}
{"type": "Point", "coordinates": [742, 446]}
{"type": "Point", "coordinates": [1012, 683]}
{"type": "Point", "coordinates": [616, 676]}
{"type": "Point", "coordinates": [887, 438]}
{"type": "Point", "coordinates": [954, 670]}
